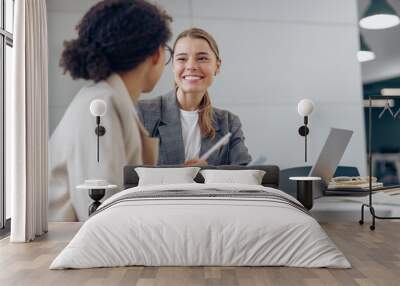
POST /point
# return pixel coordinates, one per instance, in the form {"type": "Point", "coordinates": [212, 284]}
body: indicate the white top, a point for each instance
{"type": "Point", "coordinates": [191, 134]}
{"type": "Point", "coordinates": [72, 147]}
{"type": "Point", "coordinates": [305, 178]}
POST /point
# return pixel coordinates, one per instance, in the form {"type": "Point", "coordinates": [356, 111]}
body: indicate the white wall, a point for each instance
{"type": "Point", "coordinates": [274, 53]}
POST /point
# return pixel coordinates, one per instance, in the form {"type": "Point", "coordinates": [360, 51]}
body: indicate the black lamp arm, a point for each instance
{"type": "Point", "coordinates": [303, 131]}
{"type": "Point", "coordinates": [100, 131]}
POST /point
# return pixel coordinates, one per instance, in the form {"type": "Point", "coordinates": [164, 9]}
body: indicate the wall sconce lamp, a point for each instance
{"type": "Point", "coordinates": [98, 108]}
{"type": "Point", "coordinates": [305, 107]}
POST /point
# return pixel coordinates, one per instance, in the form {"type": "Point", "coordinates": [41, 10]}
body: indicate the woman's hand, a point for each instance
{"type": "Point", "coordinates": [195, 162]}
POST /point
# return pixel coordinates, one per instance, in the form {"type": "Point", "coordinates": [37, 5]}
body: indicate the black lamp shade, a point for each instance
{"type": "Point", "coordinates": [379, 7]}
{"type": "Point", "coordinates": [379, 15]}
{"type": "Point", "coordinates": [363, 45]}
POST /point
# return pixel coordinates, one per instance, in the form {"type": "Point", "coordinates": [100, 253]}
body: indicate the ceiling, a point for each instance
{"type": "Point", "coordinates": [386, 46]}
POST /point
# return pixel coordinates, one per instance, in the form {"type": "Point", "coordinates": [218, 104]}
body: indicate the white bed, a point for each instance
{"type": "Point", "coordinates": [207, 230]}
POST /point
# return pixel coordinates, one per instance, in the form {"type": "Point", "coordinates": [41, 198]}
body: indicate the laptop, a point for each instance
{"type": "Point", "coordinates": [329, 157]}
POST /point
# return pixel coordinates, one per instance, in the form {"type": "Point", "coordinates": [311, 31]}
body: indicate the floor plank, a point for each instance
{"type": "Point", "coordinates": [374, 255]}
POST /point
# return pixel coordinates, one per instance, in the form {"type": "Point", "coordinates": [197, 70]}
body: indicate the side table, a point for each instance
{"type": "Point", "coordinates": [304, 190]}
{"type": "Point", "coordinates": [96, 193]}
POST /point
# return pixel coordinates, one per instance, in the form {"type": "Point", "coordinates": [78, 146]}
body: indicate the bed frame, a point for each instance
{"type": "Point", "coordinates": [270, 179]}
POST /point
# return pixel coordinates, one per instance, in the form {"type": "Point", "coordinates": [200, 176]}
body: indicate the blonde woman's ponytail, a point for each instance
{"type": "Point", "coordinates": [205, 117]}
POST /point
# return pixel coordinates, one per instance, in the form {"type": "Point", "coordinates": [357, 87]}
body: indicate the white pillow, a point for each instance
{"type": "Point", "coordinates": [248, 177]}
{"type": "Point", "coordinates": [165, 176]}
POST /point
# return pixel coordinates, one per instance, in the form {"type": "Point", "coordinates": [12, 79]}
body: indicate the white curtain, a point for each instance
{"type": "Point", "coordinates": [27, 123]}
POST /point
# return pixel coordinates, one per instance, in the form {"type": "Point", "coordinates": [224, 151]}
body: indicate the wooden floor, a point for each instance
{"type": "Point", "coordinates": [374, 255]}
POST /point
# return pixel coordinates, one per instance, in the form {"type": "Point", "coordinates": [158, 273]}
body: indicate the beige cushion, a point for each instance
{"type": "Point", "coordinates": [163, 176]}
{"type": "Point", "coordinates": [248, 177]}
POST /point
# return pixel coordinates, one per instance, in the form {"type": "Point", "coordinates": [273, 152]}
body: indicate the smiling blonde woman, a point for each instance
{"type": "Point", "coordinates": [184, 119]}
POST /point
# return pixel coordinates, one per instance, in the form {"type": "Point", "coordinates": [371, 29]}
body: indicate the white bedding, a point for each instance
{"type": "Point", "coordinates": [200, 231]}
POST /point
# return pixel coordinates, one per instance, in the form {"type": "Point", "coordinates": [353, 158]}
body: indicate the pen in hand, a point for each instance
{"type": "Point", "coordinates": [224, 140]}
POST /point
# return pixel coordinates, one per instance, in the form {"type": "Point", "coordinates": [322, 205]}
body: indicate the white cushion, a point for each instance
{"type": "Point", "coordinates": [165, 176]}
{"type": "Point", "coordinates": [248, 177]}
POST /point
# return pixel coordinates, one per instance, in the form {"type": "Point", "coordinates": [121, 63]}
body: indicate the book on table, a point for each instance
{"type": "Point", "coordinates": [352, 186]}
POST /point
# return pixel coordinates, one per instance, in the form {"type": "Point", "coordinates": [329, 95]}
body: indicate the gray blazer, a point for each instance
{"type": "Point", "coordinates": [161, 117]}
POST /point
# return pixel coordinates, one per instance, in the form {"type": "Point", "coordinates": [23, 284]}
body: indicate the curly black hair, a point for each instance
{"type": "Point", "coordinates": [115, 36]}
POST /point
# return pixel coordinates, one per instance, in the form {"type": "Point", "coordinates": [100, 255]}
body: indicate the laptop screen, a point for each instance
{"type": "Point", "coordinates": [331, 154]}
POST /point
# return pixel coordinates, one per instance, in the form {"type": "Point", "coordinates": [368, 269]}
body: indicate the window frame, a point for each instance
{"type": "Point", "coordinates": [6, 39]}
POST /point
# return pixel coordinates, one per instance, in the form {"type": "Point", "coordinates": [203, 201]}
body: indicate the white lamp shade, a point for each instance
{"type": "Point", "coordinates": [98, 107]}
{"type": "Point", "coordinates": [305, 107]}
{"type": "Point", "coordinates": [380, 21]}
{"type": "Point", "coordinates": [364, 56]}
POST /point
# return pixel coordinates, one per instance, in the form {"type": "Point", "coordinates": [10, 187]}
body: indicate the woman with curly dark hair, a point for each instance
{"type": "Point", "coordinates": [120, 48]}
